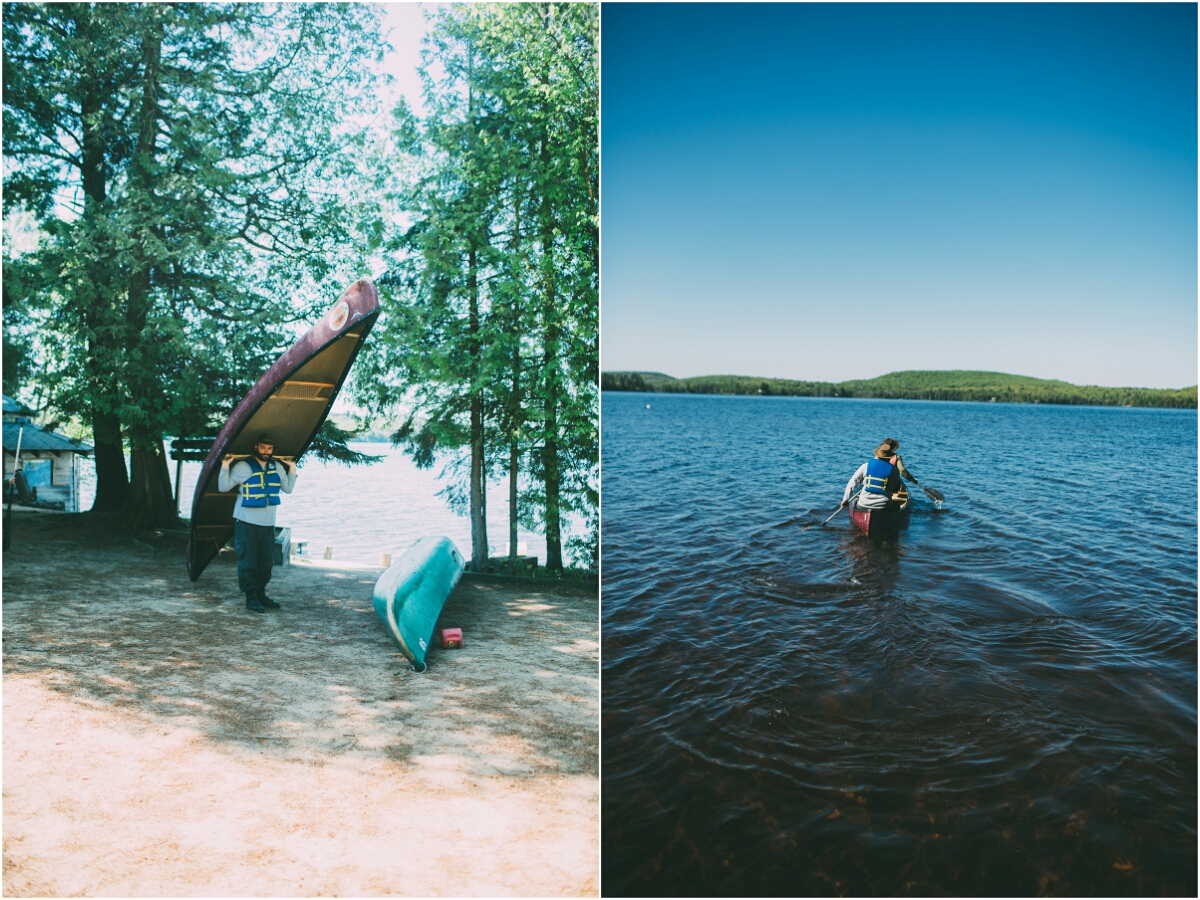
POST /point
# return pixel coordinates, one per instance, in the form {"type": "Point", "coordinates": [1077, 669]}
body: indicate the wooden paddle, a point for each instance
{"type": "Point", "coordinates": [835, 512]}
{"type": "Point", "coordinates": [935, 496]}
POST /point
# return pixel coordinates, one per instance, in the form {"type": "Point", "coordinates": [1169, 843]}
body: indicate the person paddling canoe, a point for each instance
{"type": "Point", "coordinates": [880, 478]}
{"type": "Point", "coordinates": [260, 478]}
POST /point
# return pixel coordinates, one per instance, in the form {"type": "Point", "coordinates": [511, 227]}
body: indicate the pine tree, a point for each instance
{"type": "Point", "coordinates": [491, 296]}
{"type": "Point", "coordinates": [206, 145]}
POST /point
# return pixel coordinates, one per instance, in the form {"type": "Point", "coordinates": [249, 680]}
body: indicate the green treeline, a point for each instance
{"type": "Point", "coordinates": [914, 385]}
{"type": "Point", "coordinates": [192, 184]}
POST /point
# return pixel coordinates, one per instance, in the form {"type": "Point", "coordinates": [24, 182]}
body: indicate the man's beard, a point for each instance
{"type": "Point", "coordinates": [260, 456]}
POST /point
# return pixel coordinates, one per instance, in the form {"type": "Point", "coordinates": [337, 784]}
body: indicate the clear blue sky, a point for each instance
{"type": "Point", "coordinates": [829, 192]}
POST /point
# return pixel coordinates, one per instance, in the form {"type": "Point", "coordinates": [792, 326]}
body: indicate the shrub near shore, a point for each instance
{"type": "Point", "coordinates": [982, 387]}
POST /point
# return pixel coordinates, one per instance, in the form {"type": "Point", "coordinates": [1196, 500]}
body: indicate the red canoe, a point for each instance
{"type": "Point", "coordinates": [291, 402]}
{"type": "Point", "coordinates": [881, 521]}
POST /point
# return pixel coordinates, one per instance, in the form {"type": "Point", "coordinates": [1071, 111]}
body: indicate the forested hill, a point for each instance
{"type": "Point", "coordinates": [995, 387]}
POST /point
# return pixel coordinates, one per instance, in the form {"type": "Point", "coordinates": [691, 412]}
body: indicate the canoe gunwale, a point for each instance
{"type": "Point", "coordinates": [890, 522]}
{"type": "Point", "coordinates": [394, 628]}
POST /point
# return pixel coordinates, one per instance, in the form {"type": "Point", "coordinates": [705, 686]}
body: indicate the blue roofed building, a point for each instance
{"type": "Point", "coordinates": [50, 460]}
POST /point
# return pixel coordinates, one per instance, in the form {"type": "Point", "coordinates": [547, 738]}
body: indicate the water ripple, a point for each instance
{"type": "Point", "coordinates": [1000, 700]}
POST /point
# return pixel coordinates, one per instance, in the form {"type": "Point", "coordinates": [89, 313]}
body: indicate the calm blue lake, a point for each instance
{"type": "Point", "coordinates": [1001, 700]}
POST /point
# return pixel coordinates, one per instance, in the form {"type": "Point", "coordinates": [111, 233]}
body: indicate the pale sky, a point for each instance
{"type": "Point", "coordinates": [404, 27]}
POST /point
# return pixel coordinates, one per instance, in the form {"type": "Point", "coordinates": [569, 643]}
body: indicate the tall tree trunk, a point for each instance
{"type": "Point", "coordinates": [151, 502]}
{"type": "Point", "coordinates": [515, 405]}
{"type": "Point", "coordinates": [514, 447]}
{"type": "Point", "coordinates": [514, 468]}
{"type": "Point", "coordinates": [479, 540]}
{"type": "Point", "coordinates": [112, 479]}
{"type": "Point", "coordinates": [550, 367]}
{"type": "Point", "coordinates": [479, 537]}
{"type": "Point", "coordinates": [150, 506]}
{"type": "Point", "coordinates": [483, 472]}
{"type": "Point", "coordinates": [551, 334]}
{"type": "Point", "coordinates": [550, 466]}
{"type": "Point", "coordinates": [550, 370]}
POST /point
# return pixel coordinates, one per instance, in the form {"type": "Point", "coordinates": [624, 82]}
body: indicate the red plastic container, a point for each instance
{"type": "Point", "coordinates": [451, 638]}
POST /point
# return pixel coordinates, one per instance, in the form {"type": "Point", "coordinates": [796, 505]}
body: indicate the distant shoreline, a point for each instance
{"type": "Point", "coordinates": [953, 385]}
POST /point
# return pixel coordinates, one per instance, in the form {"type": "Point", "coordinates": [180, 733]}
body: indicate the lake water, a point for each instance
{"type": "Point", "coordinates": [363, 512]}
{"type": "Point", "coordinates": [1001, 700]}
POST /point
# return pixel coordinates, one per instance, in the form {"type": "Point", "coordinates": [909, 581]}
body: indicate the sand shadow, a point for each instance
{"type": "Point", "coordinates": [115, 624]}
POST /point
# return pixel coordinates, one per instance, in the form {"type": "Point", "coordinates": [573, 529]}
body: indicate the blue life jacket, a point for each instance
{"type": "Point", "coordinates": [879, 473]}
{"type": "Point", "coordinates": [261, 488]}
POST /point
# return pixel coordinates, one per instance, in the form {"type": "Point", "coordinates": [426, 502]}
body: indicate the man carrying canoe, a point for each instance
{"type": "Point", "coordinates": [260, 478]}
{"type": "Point", "coordinates": [880, 478]}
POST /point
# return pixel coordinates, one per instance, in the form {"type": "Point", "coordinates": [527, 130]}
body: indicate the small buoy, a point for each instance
{"type": "Point", "coordinates": [647, 406]}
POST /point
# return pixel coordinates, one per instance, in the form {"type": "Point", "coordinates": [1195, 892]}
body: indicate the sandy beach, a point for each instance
{"type": "Point", "coordinates": [161, 740]}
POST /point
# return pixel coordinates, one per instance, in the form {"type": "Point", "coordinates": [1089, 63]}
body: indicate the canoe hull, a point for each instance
{"type": "Point", "coordinates": [409, 596]}
{"type": "Point", "coordinates": [291, 401]}
{"type": "Point", "coordinates": [880, 521]}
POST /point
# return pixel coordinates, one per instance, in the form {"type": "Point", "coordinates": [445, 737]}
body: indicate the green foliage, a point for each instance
{"type": "Point", "coordinates": [329, 445]}
{"type": "Point", "coordinates": [635, 381]}
{"type": "Point", "coordinates": [189, 166]}
{"type": "Point", "coordinates": [490, 335]}
{"type": "Point", "coordinates": [916, 385]}
{"type": "Point", "coordinates": [584, 548]}
{"type": "Point", "coordinates": [623, 381]}
{"type": "Point", "coordinates": [19, 328]}
{"type": "Point", "coordinates": [1001, 388]}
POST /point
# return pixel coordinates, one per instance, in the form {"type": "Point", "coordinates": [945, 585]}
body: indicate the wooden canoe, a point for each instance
{"type": "Point", "coordinates": [291, 401]}
{"type": "Point", "coordinates": [881, 521]}
{"type": "Point", "coordinates": [409, 596]}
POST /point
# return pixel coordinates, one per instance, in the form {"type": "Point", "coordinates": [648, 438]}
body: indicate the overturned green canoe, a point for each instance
{"type": "Point", "coordinates": [409, 596]}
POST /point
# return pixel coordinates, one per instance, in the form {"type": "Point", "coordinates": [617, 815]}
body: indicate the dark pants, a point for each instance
{"type": "Point", "coordinates": [255, 546]}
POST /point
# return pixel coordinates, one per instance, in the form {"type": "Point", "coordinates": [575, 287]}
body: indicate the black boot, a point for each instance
{"type": "Point", "coordinates": [267, 601]}
{"type": "Point", "coordinates": [252, 603]}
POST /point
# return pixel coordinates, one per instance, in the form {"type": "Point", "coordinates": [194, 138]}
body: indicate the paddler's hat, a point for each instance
{"type": "Point", "coordinates": [264, 438]}
{"type": "Point", "coordinates": [887, 449]}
